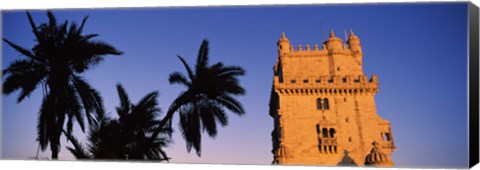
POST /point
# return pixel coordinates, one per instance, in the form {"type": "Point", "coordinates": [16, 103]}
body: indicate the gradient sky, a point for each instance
{"type": "Point", "coordinates": [419, 52]}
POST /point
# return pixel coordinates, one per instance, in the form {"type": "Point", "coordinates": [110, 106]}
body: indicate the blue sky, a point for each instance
{"type": "Point", "coordinates": [419, 52]}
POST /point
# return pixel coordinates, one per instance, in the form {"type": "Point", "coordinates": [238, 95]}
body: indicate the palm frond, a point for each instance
{"type": "Point", "coordinates": [125, 104]}
{"type": "Point", "coordinates": [232, 104]}
{"type": "Point", "coordinates": [23, 75]}
{"type": "Point", "coordinates": [89, 54]}
{"type": "Point", "coordinates": [78, 150]}
{"type": "Point", "coordinates": [46, 121]}
{"type": "Point", "coordinates": [80, 29]}
{"type": "Point", "coordinates": [88, 37]}
{"type": "Point", "coordinates": [34, 28]}
{"type": "Point", "coordinates": [148, 104]}
{"type": "Point", "coordinates": [91, 100]}
{"type": "Point", "coordinates": [178, 78]}
{"type": "Point", "coordinates": [52, 22]}
{"type": "Point", "coordinates": [20, 49]}
{"type": "Point", "coordinates": [74, 109]}
{"type": "Point", "coordinates": [190, 128]}
{"type": "Point", "coordinates": [231, 71]}
{"type": "Point", "coordinates": [207, 118]}
{"type": "Point", "coordinates": [202, 58]}
{"type": "Point", "coordinates": [187, 67]}
{"type": "Point", "coordinates": [220, 116]}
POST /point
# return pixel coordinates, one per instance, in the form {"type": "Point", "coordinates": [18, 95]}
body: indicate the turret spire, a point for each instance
{"type": "Point", "coordinates": [332, 34]}
{"type": "Point", "coordinates": [283, 37]}
{"type": "Point", "coordinates": [352, 35]}
{"type": "Point", "coordinates": [283, 45]}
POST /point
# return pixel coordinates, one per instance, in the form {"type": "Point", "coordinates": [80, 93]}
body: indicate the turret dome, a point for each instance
{"type": "Point", "coordinates": [377, 158]}
{"type": "Point", "coordinates": [333, 42]}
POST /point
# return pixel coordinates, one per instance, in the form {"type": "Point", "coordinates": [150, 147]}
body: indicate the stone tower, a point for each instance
{"type": "Point", "coordinates": [324, 109]}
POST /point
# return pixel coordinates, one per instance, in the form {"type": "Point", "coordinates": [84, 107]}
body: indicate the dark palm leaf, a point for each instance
{"type": "Point", "coordinates": [20, 49]}
{"type": "Point", "coordinates": [178, 78]}
{"type": "Point", "coordinates": [78, 150]}
{"type": "Point", "coordinates": [91, 100]}
{"type": "Point", "coordinates": [202, 58]}
{"type": "Point", "coordinates": [187, 67]}
{"type": "Point", "coordinates": [230, 103]}
{"type": "Point", "coordinates": [125, 104]}
{"type": "Point", "coordinates": [23, 75]}
{"type": "Point", "coordinates": [74, 110]}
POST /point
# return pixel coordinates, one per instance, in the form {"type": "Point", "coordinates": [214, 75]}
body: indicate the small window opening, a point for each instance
{"type": "Point", "coordinates": [319, 104]}
{"type": "Point", "coordinates": [305, 81]}
{"type": "Point", "coordinates": [325, 104]}
{"type": "Point", "coordinates": [387, 137]}
{"type": "Point", "coordinates": [325, 132]}
{"type": "Point", "coordinates": [293, 81]}
{"type": "Point", "coordinates": [332, 133]}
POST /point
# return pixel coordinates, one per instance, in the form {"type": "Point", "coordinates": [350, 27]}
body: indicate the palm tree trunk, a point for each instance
{"type": "Point", "coordinates": [176, 104]}
{"type": "Point", "coordinates": [164, 121]}
{"type": "Point", "coordinates": [54, 149]}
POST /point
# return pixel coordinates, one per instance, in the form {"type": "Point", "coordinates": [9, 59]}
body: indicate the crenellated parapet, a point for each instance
{"type": "Point", "coordinates": [333, 85]}
{"type": "Point", "coordinates": [306, 50]}
{"type": "Point", "coordinates": [333, 45]}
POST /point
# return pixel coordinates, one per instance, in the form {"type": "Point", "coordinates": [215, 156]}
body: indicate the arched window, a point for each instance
{"type": "Point", "coordinates": [325, 104]}
{"type": "Point", "coordinates": [325, 133]}
{"type": "Point", "coordinates": [332, 132]}
{"type": "Point", "coordinates": [319, 104]}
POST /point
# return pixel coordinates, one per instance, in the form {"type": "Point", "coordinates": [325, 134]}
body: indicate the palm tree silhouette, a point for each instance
{"type": "Point", "coordinates": [127, 137]}
{"type": "Point", "coordinates": [61, 55]}
{"type": "Point", "coordinates": [210, 89]}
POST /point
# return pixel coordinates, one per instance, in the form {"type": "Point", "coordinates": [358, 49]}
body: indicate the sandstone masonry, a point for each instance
{"type": "Point", "coordinates": [324, 109]}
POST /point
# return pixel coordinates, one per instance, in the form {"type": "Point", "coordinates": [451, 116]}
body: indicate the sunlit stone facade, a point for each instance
{"type": "Point", "coordinates": [324, 109]}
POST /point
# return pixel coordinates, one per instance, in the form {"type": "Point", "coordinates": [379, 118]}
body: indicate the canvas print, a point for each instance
{"type": "Point", "coordinates": [361, 85]}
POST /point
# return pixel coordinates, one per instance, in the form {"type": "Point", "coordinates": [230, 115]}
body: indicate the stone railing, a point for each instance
{"type": "Point", "coordinates": [328, 141]}
{"type": "Point", "coordinates": [328, 145]}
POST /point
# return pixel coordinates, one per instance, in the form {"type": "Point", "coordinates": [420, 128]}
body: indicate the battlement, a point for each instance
{"type": "Point", "coordinates": [316, 47]}
{"type": "Point", "coordinates": [331, 45]}
{"type": "Point", "coordinates": [347, 85]}
{"type": "Point", "coordinates": [308, 50]}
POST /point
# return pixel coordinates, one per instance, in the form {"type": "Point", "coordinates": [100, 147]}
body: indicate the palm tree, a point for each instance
{"type": "Point", "coordinates": [61, 55]}
{"type": "Point", "coordinates": [127, 137]}
{"type": "Point", "coordinates": [210, 89]}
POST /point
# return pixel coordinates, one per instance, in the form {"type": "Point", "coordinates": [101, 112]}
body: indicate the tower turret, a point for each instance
{"type": "Point", "coordinates": [377, 157]}
{"type": "Point", "coordinates": [283, 45]}
{"type": "Point", "coordinates": [333, 42]}
{"type": "Point", "coordinates": [354, 43]}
